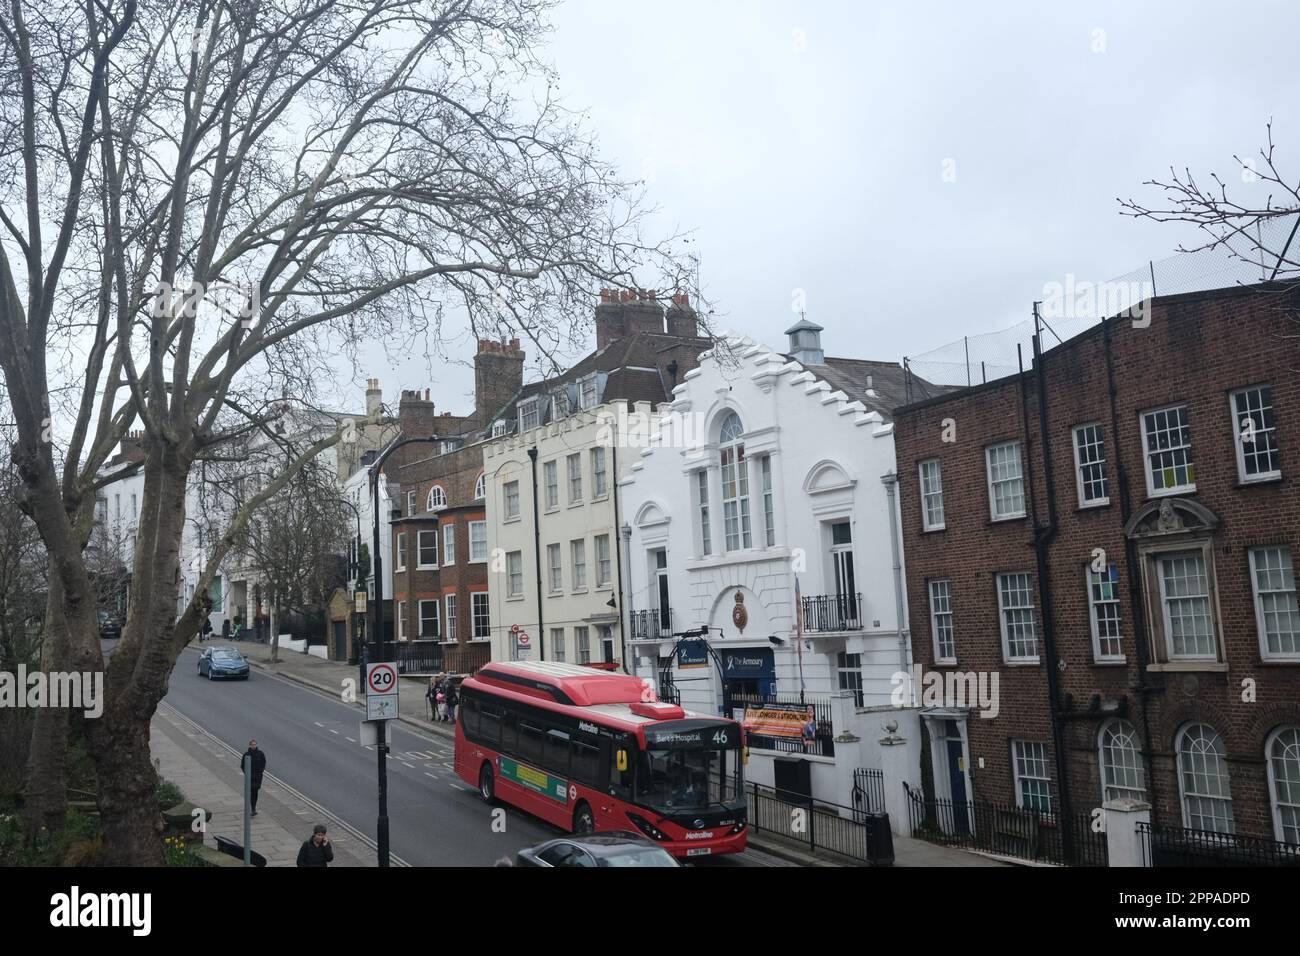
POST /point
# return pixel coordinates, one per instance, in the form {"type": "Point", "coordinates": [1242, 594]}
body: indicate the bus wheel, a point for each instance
{"type": "Point", "coordinates": [486, 785]}
{"type": "Point", "coordinates": [583, 820]}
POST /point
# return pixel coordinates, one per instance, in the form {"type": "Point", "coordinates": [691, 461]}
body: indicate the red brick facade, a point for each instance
{"type": "Point", "coordinates": [1197, 350]}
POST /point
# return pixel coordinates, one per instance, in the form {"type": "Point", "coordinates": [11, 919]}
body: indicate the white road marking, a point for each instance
{"type": "Point", "coordinates": [333, 731]}
{"type": "Point", "coordinates": [318, 723]}
{"type": "Point", "coordinates": [457, 786]}
{"type": "Point", "coordinates": [433, 775]}
{"type": "Point", "coordinates": [350, 739]}
{"type": "Point", "coordinates": [405, 764]}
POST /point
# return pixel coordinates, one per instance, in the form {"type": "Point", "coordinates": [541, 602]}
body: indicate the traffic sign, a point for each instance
{"type": "Point", "coordinates": [381, 680]}
{"type": "Point", "coordinates": [381, 708]}
{"type": "Point", "coordinates": [523, 639]}
{"type": "Point", "coordinates": [514, 628]}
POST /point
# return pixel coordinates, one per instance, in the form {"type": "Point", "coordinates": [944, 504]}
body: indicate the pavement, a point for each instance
{"type": "Point", "coordinates": [342, 680]}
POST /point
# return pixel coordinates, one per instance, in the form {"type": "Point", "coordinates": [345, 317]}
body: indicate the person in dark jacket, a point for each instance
{"type": "Point", "coordinates": [316, 851]}
{"type": "Point", "coordinates": [259, 768]}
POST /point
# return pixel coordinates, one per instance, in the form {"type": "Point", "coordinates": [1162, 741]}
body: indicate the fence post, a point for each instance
{"type": "Point", "coordinates": [1123, 843]}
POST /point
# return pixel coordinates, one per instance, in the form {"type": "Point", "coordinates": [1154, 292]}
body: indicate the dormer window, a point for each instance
{"type": "Point", "coordinates": [437, 499]}
{"type": "Point", "coordinates": [560, 408]}
{"type": "Point", "coordinates": [587, 392]}
{"type": "Point", "coordinates": [529, 414]}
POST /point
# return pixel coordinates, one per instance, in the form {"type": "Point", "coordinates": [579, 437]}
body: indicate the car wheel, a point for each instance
{"type": "Point", "coordinates": [584, 821]}
{"type": "Point", "coordinates": [211, 674]}
{"type": "Point", "coordinates": [486, 784]}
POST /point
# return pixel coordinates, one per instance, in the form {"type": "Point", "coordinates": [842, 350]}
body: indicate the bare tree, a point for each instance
{"type": "Point", "coordinates": [201, 202]}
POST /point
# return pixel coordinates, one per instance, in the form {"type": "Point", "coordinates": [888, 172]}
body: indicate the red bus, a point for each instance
{"type": "Point", "coordinates": [584, 750]}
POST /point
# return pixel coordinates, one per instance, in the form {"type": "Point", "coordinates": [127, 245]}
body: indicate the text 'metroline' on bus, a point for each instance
{"type": "Point", "coordinates": [590, 751]}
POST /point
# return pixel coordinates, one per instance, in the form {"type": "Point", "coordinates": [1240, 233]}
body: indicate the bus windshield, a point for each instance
{"type": "Point", "coordinates": [680, 780]}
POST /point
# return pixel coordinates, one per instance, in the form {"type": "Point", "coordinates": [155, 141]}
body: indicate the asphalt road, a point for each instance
{"type": "Point", "coordinates": [311, 743]}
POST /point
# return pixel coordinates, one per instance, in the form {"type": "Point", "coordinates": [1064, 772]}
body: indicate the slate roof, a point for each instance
{"type": "Point", "coordinates": [888, 389]}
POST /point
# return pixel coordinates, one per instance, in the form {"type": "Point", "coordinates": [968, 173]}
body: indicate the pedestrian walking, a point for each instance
{"type": "Point", "coordinates": [316, 851]}
{"type": "Point", "coordinates": [258, 766]}
{"type": "Point", "coordinates": [431, 695]}
{"type": "Point", "coordinates": [453, 698]}
{"type": "Point", "coordinates": [442, 697]}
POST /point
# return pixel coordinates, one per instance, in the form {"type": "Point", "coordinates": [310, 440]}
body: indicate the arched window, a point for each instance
{"type": "Point", "coordinates": [437, 499]}
{"type": "Point", "coordinates": [1122, 772]}
{"type": "Point", "coordinates": [480, 487]}
{"type": "Point", "coordinates": [735, 484]}
{"type": "Point", "coordinates": [1283, 752]}
{"type": "Point", "coordinates": [1203, 780]}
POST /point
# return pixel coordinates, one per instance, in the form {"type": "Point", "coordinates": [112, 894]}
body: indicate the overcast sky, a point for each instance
{"type": "Point", "coordinates": [806, 145]}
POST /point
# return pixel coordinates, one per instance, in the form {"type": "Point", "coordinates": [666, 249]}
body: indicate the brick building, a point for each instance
{"type": "Point", "coordinates": [439, 557]}
{"type": "Point", "coordinates": [1112, 535]}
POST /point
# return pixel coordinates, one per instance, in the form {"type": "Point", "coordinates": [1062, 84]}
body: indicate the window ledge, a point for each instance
{"type": "Point", "coordinates": [554, 509]}
{"type": "Point", "coordinates": [946, 662]}
{"type": "Point", "coordinates": [480, 640]}
{"type": "Point", "coordinates": [512, 520]}
{"type": "Point", "coordinates": [1110, 662]}
{"type": "Point", "coordinates": [1183, 667]}
{"type": "Point", "coordinates": [1279, 661]}
{"type": "Point", "coordinates": [1170, 492]}
{"type": "Point", "coordinates": [576, 504]}
{"type": "Point", "coordinates": [1094, 505]}
{"type": "Point", "coordinates": [938, 527]}
{"type": "Point", "coordinates": [578, 591]}
{"type": "Point", "coordinates": [515, 597]}
{"type": "Point", "coordinates": [1006, 518]}
{"type": "Point", "coordinates": [426, 567]}
{"type": "Point", "coordinates": [1023, 662]}
{"type": "Point", "coordinates": [1252, 482]}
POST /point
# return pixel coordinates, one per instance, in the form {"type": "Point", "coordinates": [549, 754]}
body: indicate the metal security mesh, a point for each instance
{"type": "Point", "coordinates": [1071, 307]}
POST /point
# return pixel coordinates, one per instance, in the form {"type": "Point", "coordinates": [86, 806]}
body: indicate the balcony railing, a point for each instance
{"type": "Point", "coordinates": [652, 625]}
{"type": "Point", "coordinates": [832, 612]}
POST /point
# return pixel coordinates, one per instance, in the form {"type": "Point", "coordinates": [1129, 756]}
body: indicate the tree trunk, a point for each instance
{"type": "Point", "coordinates": [46, 792]}
{"type": "Point", "coordinates": [128, 790]}
{"type": "Point", "coordinates": [274, 624]}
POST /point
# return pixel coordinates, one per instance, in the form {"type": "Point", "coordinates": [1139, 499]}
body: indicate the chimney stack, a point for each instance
{"type": "Point", "coordinates": [682, 320]}
{"type": "Point", "coordinates": [498, 375]}
{"type": "Point", "coordinates": [624, 312]}
{"type": "Point", "coordinates": [374, 398]}
{"type": "Point", "coordinates": [415, 413]}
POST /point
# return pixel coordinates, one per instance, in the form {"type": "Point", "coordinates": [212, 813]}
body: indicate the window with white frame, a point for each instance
{"type": "Point", "coordinates": [557, 644]}
{"type": "Point", "coordinates": [587, 392]}
{"type": "Point", "coordinates": [515, 573]}
{"type": "Point", "coordinates": [945, 641]}
{"type": "Point", "coordinates": [1006, 486]}
{"type": "Point", "coordinates": [848, 668]}
{"type": "Point", "coordinates": [582, 638]}
{"type": "Point", "coordinates": [449, 635]}
{"type": "Point", "coordinates": [426, 544]}
{"type": "Point", "coordinates": [1016, 606]}
{"type": "Point", "coordinates": [1256, 425]}
{"type": "Point", "coordinates": [932, 517]}
{"type": "Point", "coordinates": [1090, 466]}
{"type": "Point", "coordinates": [702, 501]}
{"type": "Point", "coordinates": [1033, 779]}
{"type": "Point", "coordinates": [735, 485]}
{"type": "Point", "coordinates": [511, 491]}
{"type": "Point", "coordinates": [1185, 606]}
{"type": "Point", "coordinates": [529, 416]}
{"type": "Point", "coordinates": [480, 614]}
{"type": "Point", "coordinates": [401, 620]}
{"type": "Point", "coordinates": [769, 510]}
{"type": "Point", "coordinates": [555, 563]}
{"type": "Point", "coordinates": [478, 541]}
{"type": "Point", "coordinates": [437, 499]}
{"type": "Point", "coordinates": [410, 503]}
{"type": "Point", "coordinates": [400, 564]}
{"type": "Point", "coordinates": [1103, 613]}
{"type": "Point", "coordinates": [578, 559]}
{"type": "Point", "coordinates": [1283, 750]}
{"type": "Point", "coordinates": [429, 619]}
{"type": "Point", "coordinates": [1203, 780]}
{"type": "Point", "coordinates": [603, 564]}
{"type": "Point", "coordinates": [1123, 772]}
{"type": "Point", "coordinates": [1277, 614]}
{"type": "Point", "coordinates": [560, 408]}
{"type": "Point", "coordinates": [599, 478]}
{"type": "Point", "coordinates": [551, 479]}
{"type": "Point", "coordinates": [448, 544]}
{"type": "Point", "coordinates": [574, 464]}
{"type": "Point", "coordinates": [480, 488]}
{"type": "Point", "coordinates": [1167, 440]}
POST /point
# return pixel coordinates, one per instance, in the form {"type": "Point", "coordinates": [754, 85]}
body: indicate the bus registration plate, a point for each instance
{"type": "Point", "coordinates": [699, 851]}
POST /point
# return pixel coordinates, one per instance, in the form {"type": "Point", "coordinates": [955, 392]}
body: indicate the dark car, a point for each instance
{"type": "Point", "coordinates": [110, 628]}
{"type": "Point", "coordinates": [597, 849]}
{"type": "Point", "coordinates": [223, 662]}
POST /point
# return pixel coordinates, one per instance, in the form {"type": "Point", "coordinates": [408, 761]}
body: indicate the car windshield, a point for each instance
{"type": "Point", "coordinates": [688, 779]}
{"type": "Point", "coordinates": [650, 856]}
{"type": "Point", "coordinates": [224, 655]}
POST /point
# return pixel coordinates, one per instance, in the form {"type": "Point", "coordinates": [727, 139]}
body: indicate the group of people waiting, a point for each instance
{"type": "Point", "coordinates": [443, 697]}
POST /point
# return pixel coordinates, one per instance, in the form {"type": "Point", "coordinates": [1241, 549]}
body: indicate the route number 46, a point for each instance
{"type": "Point", "coordinates": [720, 737]}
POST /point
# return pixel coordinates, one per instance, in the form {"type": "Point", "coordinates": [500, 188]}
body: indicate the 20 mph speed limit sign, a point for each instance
{"type": "Point", "coordinates": [381, 691]}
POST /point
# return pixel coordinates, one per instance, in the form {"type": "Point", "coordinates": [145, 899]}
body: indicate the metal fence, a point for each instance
{"type": "Point", "coordinates": [819, 825]}
{"type": "Point", "coordinates": [651, 624]}
{"type": "Point", "coordinates": [832, 612]}
{"type": "Point", "coordinates": [1007, 831]}
{"type": "Point", "coordinates": [418, 657]}
{"type": "Point", "coordinates": [1182, 846]}
{"type": "Point", "coordinates": [868, 791]}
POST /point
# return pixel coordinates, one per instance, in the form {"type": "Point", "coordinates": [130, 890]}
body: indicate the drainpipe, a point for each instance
{"type": "Point", "coordinates": [537, 557]}
{"type": "Point", "coordinates": [1043, 537]}
{"type": "Point", "coordinates": [1144, 688]}
{"type": "Point", "coordinates": [890, 482]}
{"type": "Point", "coordinates": [618, 552]}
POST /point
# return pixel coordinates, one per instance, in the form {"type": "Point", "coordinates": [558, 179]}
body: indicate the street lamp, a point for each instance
{"type": "Point", "coordinates": [701, 633]}
{"type": "Point", "coordinates": [358, 594]}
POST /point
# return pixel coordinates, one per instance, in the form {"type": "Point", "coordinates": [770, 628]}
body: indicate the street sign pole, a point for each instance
{"type": "Point", "coordinates": [382, 706]}
{"type": "Point", "coordinates": [248, 810]}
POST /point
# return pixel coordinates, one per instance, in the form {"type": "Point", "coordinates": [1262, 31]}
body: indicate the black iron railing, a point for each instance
{"type": "Point", "coordinates": [819, 825]}
{"type": "Point", "coordinates": [418, 657]}
{"type": "Point", "coordinates": [1182, 846]}
{"type": "Point", "coordinates": [832, 612]}
{"type": "Point", "coordinates": [1007, 831]}
{"type": "Point", "coordinates": [821, 745]}
{"type": "Point", "coordinates": [652, 624]}
{"type": "Point", "coordinates": [868, 791]}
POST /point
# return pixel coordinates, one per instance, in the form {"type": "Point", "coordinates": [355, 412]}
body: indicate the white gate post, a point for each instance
{"type": "Point", "coordinates": [1124, 845]}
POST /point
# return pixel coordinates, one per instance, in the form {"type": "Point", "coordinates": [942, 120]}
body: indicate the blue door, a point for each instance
{"type": "Point", "coordinates": [960, 822]}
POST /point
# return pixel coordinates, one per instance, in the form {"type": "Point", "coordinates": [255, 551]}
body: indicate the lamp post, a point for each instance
{"type": "Point", "coordinates": [377, 639]}
{"type": "Point", "coordinates": [702, 634]}
{"type": "Point", "coordinates": [357, 579]}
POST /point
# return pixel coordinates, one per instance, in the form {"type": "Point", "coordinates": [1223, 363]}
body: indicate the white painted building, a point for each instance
{"type": "Point", "coordinates": [770, 469]}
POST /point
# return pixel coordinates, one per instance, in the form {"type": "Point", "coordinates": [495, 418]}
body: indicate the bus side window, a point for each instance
{"type": "Point", "coordinates": [489, 729]}
{"type": "Point", "coordinates": [620, 781]}
{"type": "Point", "coordinates": [586, 763]}
{"type": "Point", "coordinates": [468, 716]}
{"type": "Point", "coordinates": [509, 731]}
{"type": "Point", "coordinates": [530, 741]}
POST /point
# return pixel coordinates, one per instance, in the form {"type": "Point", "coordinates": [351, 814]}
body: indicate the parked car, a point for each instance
{"type": "Point", "coordinates": [110, 628]}
{"type": "Point", "coordinates": [223, 662]}
{"type": "Point", "coordinates": [597, 849]}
